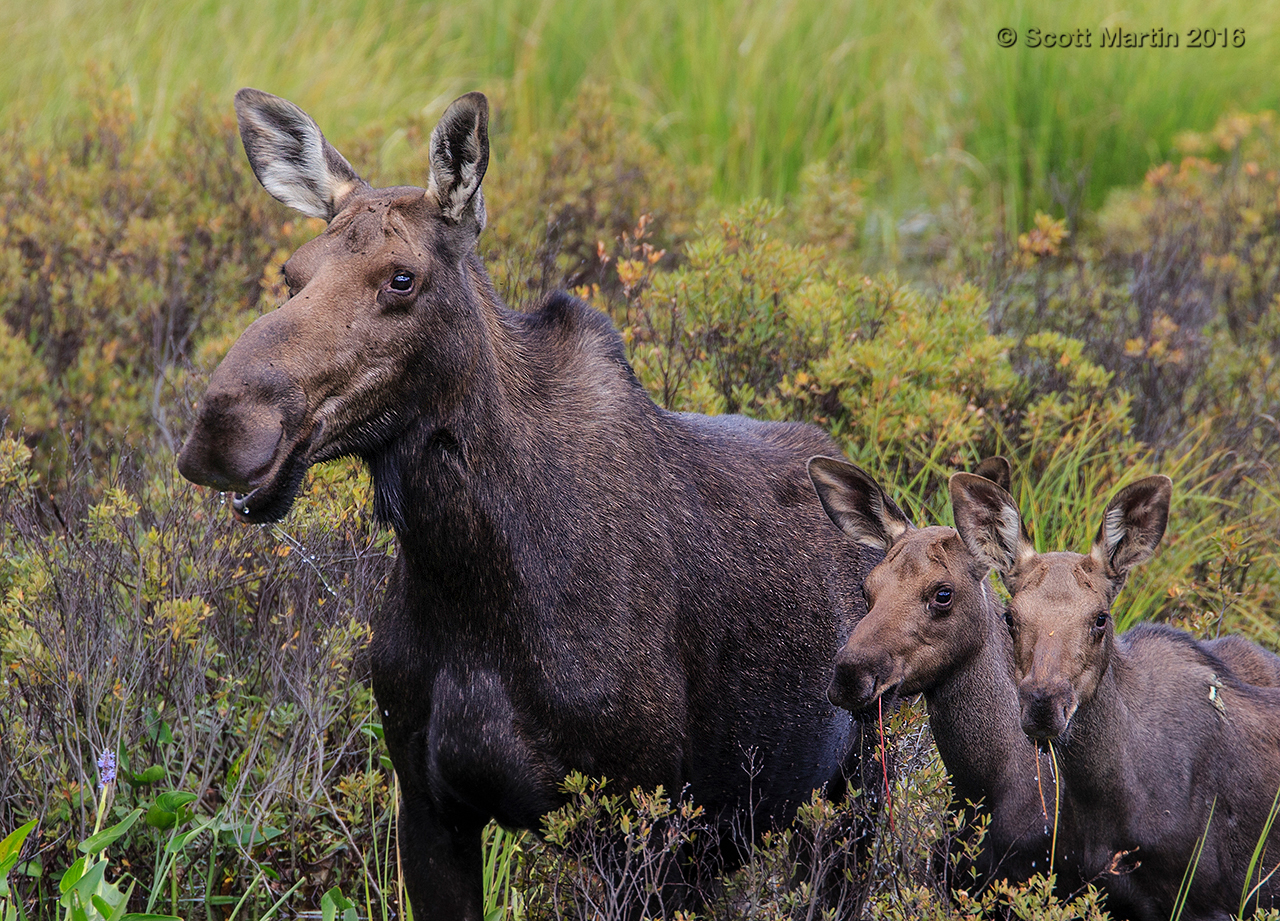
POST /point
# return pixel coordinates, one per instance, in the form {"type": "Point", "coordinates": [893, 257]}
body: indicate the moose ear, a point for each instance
{"type": "Point", "coordinates": [856, 503]}
{"type": "Point", "coordinates": [459, 156]}
{"type": "Point", "coordinates": [997, 470]}
{"type": "Point", "coordinates": [1132, 525]}
{"type": "Point", "coordinates": [989, 523]}
{"type": "Point", "coordinates": [290, 156]}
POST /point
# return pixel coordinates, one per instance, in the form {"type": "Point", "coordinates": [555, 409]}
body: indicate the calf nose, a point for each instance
{"type": "Point", "coordinates": [853, 685]}
{"type": "Point", "coordinates": [1046, 709]}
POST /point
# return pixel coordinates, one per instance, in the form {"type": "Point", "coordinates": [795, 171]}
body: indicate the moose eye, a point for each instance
{"type": "Point", "coordinates": [1008, 620]}
{"type": "Point", "coordinates": [401, 281]}
{"type": "Point", "coordinates": [941, 600]}
{"type": "Point", "coordinates": [1100, 622]}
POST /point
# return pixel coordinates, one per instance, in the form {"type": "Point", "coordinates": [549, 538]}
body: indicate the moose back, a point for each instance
{"type": "Point", "coordinates": [584, 581]}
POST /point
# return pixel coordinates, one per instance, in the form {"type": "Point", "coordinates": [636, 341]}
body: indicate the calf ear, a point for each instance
{"type": "Point", "coordinates": [997, 470]}
{"type": "Point", "coordinates": [989, 523]}
{"type": "Point", "coordinates": [290, 156]}
{"type": "Point", "coordinates": [856, 503]}
{"type": "Point", "coordinates": [459, 157]}
{"type": "Point", "coordinates": [1132, 525]}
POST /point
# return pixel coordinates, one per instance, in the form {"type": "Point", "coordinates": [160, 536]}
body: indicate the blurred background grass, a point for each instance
{"type": "Point", "coordinates": [904, 95]}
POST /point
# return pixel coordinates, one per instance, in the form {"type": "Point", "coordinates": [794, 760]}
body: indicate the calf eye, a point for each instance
{"type": "Point", "coordinates": [401, 281]}
{"type": "Point", "coordinates": [941, 601]}
{"type": "Point", "coordinates": [1008, 620]}
{"type": "Point", "coordinates": [1100, 622]}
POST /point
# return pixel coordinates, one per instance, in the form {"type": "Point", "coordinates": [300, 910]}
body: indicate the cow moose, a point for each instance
{"type": "Point", "coordinates": [1170, 759]}
{"type": "Point", "coordinates": [584, 581]}
{"type": "Point", "coordinates": [935, 628]}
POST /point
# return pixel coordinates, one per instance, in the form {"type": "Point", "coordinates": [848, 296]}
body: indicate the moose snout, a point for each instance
{"type": "Point", "coordinates": [1046, 708]}
{"type": "Point", "coordinates": [856, 683]}
{"type": "Point", "coordinates": [252, 405]}
{"type": "Point", "coordinates": [231, 448]}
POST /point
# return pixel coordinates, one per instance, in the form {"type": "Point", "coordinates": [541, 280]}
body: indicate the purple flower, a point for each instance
{"type": "Point", "coordinates": [106, 769]}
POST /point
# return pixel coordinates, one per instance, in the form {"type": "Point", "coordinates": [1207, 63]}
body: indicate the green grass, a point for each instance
{"type": "Point", "coordinates": [912, 96]}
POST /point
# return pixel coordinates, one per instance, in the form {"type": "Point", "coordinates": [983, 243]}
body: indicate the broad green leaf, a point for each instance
{"type": "Point", "coordinates": [11, 847]}
{"type": "Point", "coordinates": [76, 907]}
{"type": "Point", "coordinates": [87, 884]}
{"type": "Point", "coordinates": [123, 905]}
{"type": "Point", "coordinates": [174, 800]}
{"type": "Point", "coordinates": [108, 836]}
{"type": "Point", "coordinates": [180, 841]}
{"type": "Point", "coordinates": [160, 818]}
{"type": "Point", "coordinates": [153, 774]}
{"type": "Point", "coordinates": [72, 876]}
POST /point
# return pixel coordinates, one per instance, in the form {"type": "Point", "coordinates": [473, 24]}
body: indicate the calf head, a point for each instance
{"type": "Point", "coordinates": [1060, 610]}
{"type": "Point", "coordinates": [382, 322]}
{"type": "Point", "coordinates": [923, 599]}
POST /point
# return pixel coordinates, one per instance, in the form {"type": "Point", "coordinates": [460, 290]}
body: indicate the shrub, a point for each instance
{"type": "Point", "coordinates": [1176, 291]}
{"type": "Point", "coordinates": [213, 659]}
{"type": "Point", "coordinates": [115, 259]}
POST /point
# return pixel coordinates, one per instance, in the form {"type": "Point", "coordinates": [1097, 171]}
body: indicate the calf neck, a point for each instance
{"type": "Point", "coordinates": [584, 581]}
{"type": "Point", "coordinates": [1161, 743]}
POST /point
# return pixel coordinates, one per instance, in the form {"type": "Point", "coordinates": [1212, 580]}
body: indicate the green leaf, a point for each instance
{"type": "Point", "coordinates": [174, 800]}
{"type": "Point", "coordinates": [76, 908]}
{"type": "Point", "coordinates": [333, 902]}
{"type": "Point", "coordinates": [72, 876]}
{"type": "Point", "coordinates": [89, 882]}
{"type": "Point", "coordinates": [143, 916]}
{"type": "Point", "coordinates": [108, 836]}
{"type": "Point", "coordinates": [122, 906]}
{"type": "Point", "coordinates": [153, 774]}
{"type": "Point", "coordinates": [180, 841]}
{"type": "Point", "coordinates": [159, 818]}
{"type": "Point", "coordinates": [11, 847]}
{"type": "Point", "coordinates": [102, 906]}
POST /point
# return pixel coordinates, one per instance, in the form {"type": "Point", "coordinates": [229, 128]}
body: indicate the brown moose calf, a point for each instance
{"type": "Point", "coordinates": [1169, 758]}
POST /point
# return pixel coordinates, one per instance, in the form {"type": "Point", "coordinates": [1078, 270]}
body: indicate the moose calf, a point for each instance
{"type": "Point", "coordinates": [1170, 761]}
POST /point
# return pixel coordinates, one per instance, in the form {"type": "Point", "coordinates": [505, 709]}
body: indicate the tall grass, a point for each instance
{"type": "Point", "coordinates": [912, 96]}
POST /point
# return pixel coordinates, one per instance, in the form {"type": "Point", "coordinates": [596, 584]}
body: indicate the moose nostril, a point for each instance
{"type": "Point", "coordinates": [852, 687]}
{"type": "Point", "coordinates": [232, 447]}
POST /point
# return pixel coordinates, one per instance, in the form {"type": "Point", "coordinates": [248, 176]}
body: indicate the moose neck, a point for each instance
{"type": "Point", "coordinates": [1094, 752]}
{"type": "Point", "coordinates": [975, 719]}
{"type": "Point", "coordinates": [476, 488]}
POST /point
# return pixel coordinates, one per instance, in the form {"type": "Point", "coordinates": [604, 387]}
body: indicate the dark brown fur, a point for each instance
{"type": "Point", "coordinates": [1154, 732]}
{"type": "Point", "coordinates": [585, 582]}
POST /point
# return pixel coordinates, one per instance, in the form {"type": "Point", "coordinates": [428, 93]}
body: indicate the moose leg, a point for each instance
{"type": "Point", "coordinates": [440, 861]}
